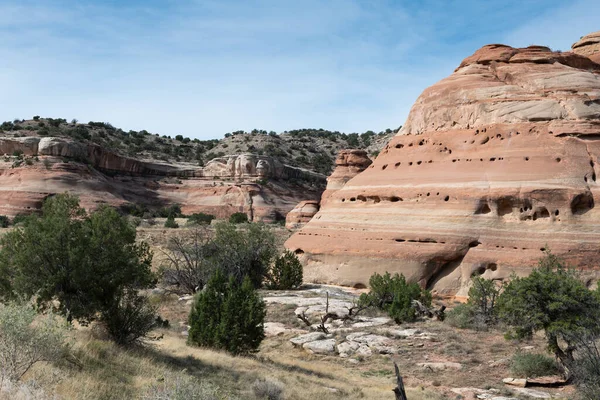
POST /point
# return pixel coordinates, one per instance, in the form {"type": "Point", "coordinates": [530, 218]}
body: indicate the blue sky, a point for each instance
{"type": "Point", "coordinates": [203, 68]}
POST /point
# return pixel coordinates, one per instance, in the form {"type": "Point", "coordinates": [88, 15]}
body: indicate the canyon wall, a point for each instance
{"type": "Point", "coordinates": [494, 165]}
{"type": "Point", "coordinates": [98, 176]}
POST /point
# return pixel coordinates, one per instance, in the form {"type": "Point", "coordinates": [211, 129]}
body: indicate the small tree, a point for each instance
{"type": "Point", "coordinates": [286, 272]}
{"type": "Point", "coordinates": [200, 219]}
{"type": "Point", "coordinates": [395, 296]}
{"type": "Point", "coordinates": [25, 341]}
{"type": "Point", "coordinates": [170, 223]}
{"type": "Point", "coordinates": [238, 218]}
{"type": "Point", "coordinates": [75, 263]}
{"type": "Point", "coordinates": [551, 299]}
{"type": "Point", "coordinates": [188, 265]}
{"type": "Point", "coordinates": [228, 315]}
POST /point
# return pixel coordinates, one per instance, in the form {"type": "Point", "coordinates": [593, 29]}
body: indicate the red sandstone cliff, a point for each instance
{"type": "Point", "coordinates": [494, 164]}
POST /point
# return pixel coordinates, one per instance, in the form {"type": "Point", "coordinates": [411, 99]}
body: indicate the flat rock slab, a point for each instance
{"type": "Point", "coordinates": [307, 337]}
{"type": "Point", "coordinates": [535, 394]}
{"type": "Point", "coordinates": [440, 366]}
{"type": "Point", "coordinates": [326, 346]}
{"type": "Point", "coordinates": [515, 382]}
{"type": "Point", "coordinates": [277, 328]}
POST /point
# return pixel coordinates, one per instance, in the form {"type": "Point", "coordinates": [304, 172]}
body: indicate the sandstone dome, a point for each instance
{"type": "Point", "coordinates": [495, 164]}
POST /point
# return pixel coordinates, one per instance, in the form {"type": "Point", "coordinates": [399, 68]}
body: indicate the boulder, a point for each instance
{"type": "Point", "coordinates": [301, 214]}
{"type": "Point", "coordinates": [326, 346]}
{"type": "Point", "coordinates": [307, 337]}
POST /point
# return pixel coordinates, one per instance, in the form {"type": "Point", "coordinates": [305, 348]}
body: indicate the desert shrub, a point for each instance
{"type": "Point", "coordinates": [483, 296]}
{"type": "Point", "coordinates": [18, 153]}
{"type": "Point", "coordinates": [238, 218]}
{"type": "Point", "coordinates": [531, 365]}
{"type": "Point", "coordinates": [129, 318]}
{"type": "Point", "coordinates": [173, 210]}
{"type": "Point", "coordinates": [19, 218]}
{"type": "Point", "coordinates": [551, 299]}
{"type": "Point", "coordinates": [75, 263]}
{"type": "Point", "coordinates": [200, 219]}
{"type": "Point", "coordinates": [266, 389]}
{"type": "Point", "coordinates": [25, 341]}
{"type": "Point", "coordinates": [184, 387]}
{"type": "Point", "coordinates": [135, 221]}
{"type": "Point", "coordinates": [395, 296]}
{"type": "Point", "coordinates": [585, 368]}
{"type": "Point", "coordinates": [227, 315]}
{"type": "Point", "coordinates": [170, 222]}
{"type": "Point", "coordinates": [285, 273]}
{"type": "Point", "coordinates": [36, 117]}
{"type": "Point", "coordinates": [4, 221]}
{"type": "Point", "coordinates": [461, 316]}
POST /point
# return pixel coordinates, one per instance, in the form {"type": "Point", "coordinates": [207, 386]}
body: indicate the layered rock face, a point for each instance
{"type": "Point", "coordinates": [301, 214]}
{"type": "Point", "coordinates": [589, 46]}
{"type": "Point", "coordinates": [226, 185]}
{"type": "Point", "coordinates": [495, 164]}
{"type": "Point", "coordinates": [348, 164]}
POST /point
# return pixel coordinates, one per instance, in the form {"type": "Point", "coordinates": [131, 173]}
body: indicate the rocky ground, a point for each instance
{"type": "Point", "coordinates": [434, 358]}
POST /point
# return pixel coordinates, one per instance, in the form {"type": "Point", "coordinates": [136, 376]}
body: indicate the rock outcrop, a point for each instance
{"type": "Point", "coordinates": [224, 186]}
{"type": "Point", "coordinates": [348, 164]}
{"type": "Point", "coordinates": [494, 165]}
{"type": "Point", "coordinates": [589, 46]}
{"type": "Point", "coordinates": [301, 214]}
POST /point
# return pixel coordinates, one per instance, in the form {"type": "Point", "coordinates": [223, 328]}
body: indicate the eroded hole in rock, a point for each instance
{"type": "Point", "coordinates": [299, 251]}
{"type": "Point", "coordinates": [556, 212]}
{"type": "Point", "coordinates": [483, 208]}
{"type": "Point", "coordinates": [543, 213]}
{"type": "Point", "coordinates": [446, 198]}
{"type": "Point", "coordinates": [376, 199]}
{"type": "Point", "coordinates": [422, 142]}
{"type": "Point", "coordinates": [400, 240]}
{"type": "Point", "coordinates": [359, 286]}
{"type": "Point", "coordinates": [397, 164]}
{"type": "Point", "coordinates": [399, 146]}
{"type": "Point", "coordinates": [493, 159]}
{"type": "Point", "coordinates": [384, 166]}
{"type": "Point", "coordinates": [361, 198]}
{"type": "Point", "coordinates": [492, 266]}
{"type": "Point", "coordinates": [474, 243]}
{"type": "Point", "coordinates": [505, 206]}
{"type": "Point", "coordinates": [395, 199]}
{"type": "Point", "coordinates": [582, 203]}
{"type": "Point", "coordinates": [410, 163]}
{"type": "Point", "coordinates": [485, 140]}
{"type": "Point", "coordinates": [558, 159]}
{"type": "Point", "coordinates": [526, 158]}
{"type": "Point", "coordinates": [352, 198]}
{"type": "Point", "coordinates": [419, 162]}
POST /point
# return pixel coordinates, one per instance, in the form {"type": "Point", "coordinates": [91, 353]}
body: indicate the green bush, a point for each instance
{"type": "Point", "coordinates": [531, 365]}
{"type": "Point", "coordinates": [395, 296]}
{"type": "Point", "coordinates": [184, 387]}
{"type": "Point", "coordinates": [4, 221]}
{"type": "Point", "coordinates": [238, 218]}
{"type": "Point", "coordinates": [286, 272]}
{"type": "Point", "coordinates": [200, 219]}
{"type": "Point", "coordinates": [551, 299]}
{"type": "Point", "coordinates": [26, 339]}
{"type": "Point", "coordinates": [461, 316]}
{"type": "Point", "coordinates": [19, 218]}
{"type": "Point", "coordinates": [76, 263]}
{"type": "Point", "coordinates": [227, 315]}
{"type": "Point", "coordinates": [129, 318]}
{"type": "Point", "coordinates": [267, 389]}
{"type": "Point", "coordinates": [170, 222]}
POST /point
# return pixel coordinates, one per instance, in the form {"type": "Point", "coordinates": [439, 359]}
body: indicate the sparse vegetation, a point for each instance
{"type": "Point", "coordinates": [27, 339]}
{"type": "Point", "coordinates": [532, 365]}
{"type": "Point", "coordinates": [200, 219]}
{"type": "Point", "coordinates": [171, 223]}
